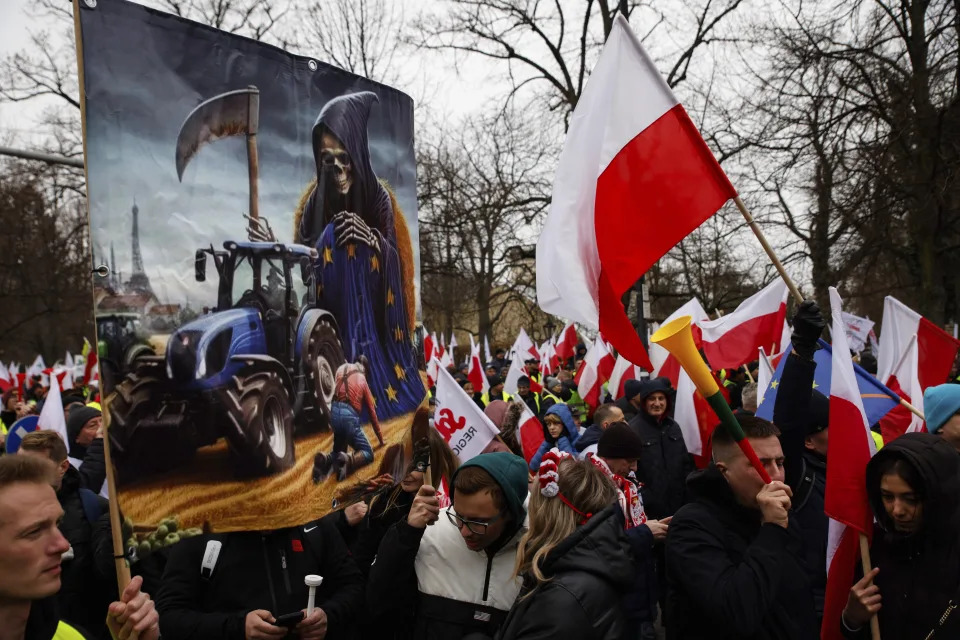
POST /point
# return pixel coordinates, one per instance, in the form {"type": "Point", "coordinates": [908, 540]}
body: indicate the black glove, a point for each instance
{"type": "Point", "coordinates": [807, 326]}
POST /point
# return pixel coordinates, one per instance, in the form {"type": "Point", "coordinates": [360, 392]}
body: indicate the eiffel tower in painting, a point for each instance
{"type": "Point", "coordinates": [138, 279]}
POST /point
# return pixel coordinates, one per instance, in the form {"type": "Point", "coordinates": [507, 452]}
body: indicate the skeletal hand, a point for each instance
{"type": "Point", "coordinates": [259, 230]}
{"type": "Point", "coordinates": [349, 227]}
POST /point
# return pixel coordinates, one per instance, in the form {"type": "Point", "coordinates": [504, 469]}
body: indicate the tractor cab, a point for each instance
{"type": "Point", "coordinates": [275, 279]}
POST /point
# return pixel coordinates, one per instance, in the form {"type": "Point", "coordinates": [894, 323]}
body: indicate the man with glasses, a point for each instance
{"type": "Point", "coordinates": [446, 575]}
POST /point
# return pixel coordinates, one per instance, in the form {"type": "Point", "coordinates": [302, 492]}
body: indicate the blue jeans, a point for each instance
{"type": "Point", "coordinates": [347, 431]}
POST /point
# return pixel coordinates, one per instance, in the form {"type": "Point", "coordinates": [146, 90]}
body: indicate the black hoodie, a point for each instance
{"type": "Point", "coordinates": [919, 573]}
{"type": "Point", "coordinates": [664, 463]}
{"type": "Point", "coordinates": [732, 577]}
{"type": "Point", "coordinates": [589, 571]}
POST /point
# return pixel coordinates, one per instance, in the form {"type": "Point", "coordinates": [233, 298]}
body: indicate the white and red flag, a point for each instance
{"type": "Point", "coordinates": [523, 348]}
{"type": "Point", "coordinates": [623, 370]}
{"type": "Point", "coordinates": [433, 366]}
{"type": "Point", "coordinates": [7, 379]}
{"type": "Point", "coordinates": [427, 347]}
{"type": "Point", "coordinates": [733, 340]}
{"type": "Point", "coordinates": [475, 374]}
{"type": "Point", "coordinates": [849, 450]}
{"type": "Point", "coordinates": [51, 415]}
{"type": "Point", "coordinates": [567, 342]}
{"type": "Point", "coordinates": [446, 359]}
{"type": "Point", "coordinates": [633, 160]}
{"type": "Point", "coordinates": [90, 371]}
{"type": "Point", "coordinates": [665, 364]}
{"type": "Point", "coordinates": [598, 364]}
{"type": "Point", "coordinates": [460, 421]}
{"type": "Point", "coordinates": [905, 382]}
{"type": "Point", "coordinates": [936, 349]}
{"type": "Point", "coordinates": [531, 433]}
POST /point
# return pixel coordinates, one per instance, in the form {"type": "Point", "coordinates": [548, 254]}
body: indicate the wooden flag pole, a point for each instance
{"type": "Point", "coordinates": [865, 561]}
{"type": "Point", "coordinates": [768, 249]}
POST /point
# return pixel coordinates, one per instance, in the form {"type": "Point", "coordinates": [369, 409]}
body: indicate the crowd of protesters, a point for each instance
{"type": "Point", "coordinates": [608, 531]}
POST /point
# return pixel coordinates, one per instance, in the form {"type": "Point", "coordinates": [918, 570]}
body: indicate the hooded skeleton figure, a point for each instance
{"type": "Point", "coordinates": [348, 192]}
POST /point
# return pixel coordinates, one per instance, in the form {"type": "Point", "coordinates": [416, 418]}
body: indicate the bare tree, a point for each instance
{"type": "Point", "coordinates": [479, 190]}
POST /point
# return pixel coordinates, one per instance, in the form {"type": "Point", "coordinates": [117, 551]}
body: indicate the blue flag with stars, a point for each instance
{"type": "Point", "coordinates": [878, 399]}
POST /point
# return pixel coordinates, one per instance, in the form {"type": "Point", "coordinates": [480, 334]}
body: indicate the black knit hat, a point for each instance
{"type": "Point", "coordinates": [631, 388]}
{"type": "Point", "coordinates": [619, 441]}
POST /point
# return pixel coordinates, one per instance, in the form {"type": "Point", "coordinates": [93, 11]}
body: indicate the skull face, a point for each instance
{"type": "Point", "coordinates": [334, 158]}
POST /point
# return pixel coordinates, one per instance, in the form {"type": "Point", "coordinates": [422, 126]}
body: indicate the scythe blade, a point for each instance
{"type": "Point", "coordinates": [228, 114]}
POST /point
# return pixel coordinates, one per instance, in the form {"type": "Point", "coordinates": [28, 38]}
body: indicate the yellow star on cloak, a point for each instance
{"type": "Point", "coordinates": [398, 333]}
{"type": "Point", "coordinates": [397, 369]}
{"type": "Point", "coordinates": [774, 384]}
{"type": "Point", "coordinates": [327, 256]}
{"type": "Point", "coordinates": [374, 263]}
{"type": "Point", "coordinates": [351, 250]}
{"type": "Point", "coordinates": [815, 385]}
{"type": "Point", "coordinates": [390, 298]}
{"type": "Point", "coordinates": [391, 393]}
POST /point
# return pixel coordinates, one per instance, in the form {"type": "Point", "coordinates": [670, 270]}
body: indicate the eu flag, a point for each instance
{"type": "Point", "coordinates": [878, 400]}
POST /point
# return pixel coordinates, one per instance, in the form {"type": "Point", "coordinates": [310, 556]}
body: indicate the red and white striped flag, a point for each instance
{"type": "Point", "coordinates": [567, 342]}
{"type": "Point", "coordinates": [623, 370]}
{"type": "Point", "coordinates": [904, 381]}
{"type": "Point", "coordinates": [849, 450]}
{"type": "Point", "coordinates": [475, 373]}
{"type": "Point", "coordinates": [531, 433]}
{"type": "Point", "coordinates": [632, 160]}
{"type": "Point", "coordinates": [523, 348]}
{"type": "Point", "coordinates": [936, 349]}
{"type": "Point", "coordinates": [597, 366]}
{"type": "Point", "coordinates": [733, 340]}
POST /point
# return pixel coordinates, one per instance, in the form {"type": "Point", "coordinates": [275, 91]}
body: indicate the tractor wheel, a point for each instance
{"type": "Point", "coordinates": [140, 451]}
{"type": "Point", "coordinates": [262, 441]}
{"type": "Point", "coordinates": [134, 352]}
{"type": "Point", "coordinates": [323, 356]}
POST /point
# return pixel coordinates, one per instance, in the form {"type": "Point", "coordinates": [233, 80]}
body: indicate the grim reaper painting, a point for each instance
{"type": "Point", "coordinates": [365, 265]}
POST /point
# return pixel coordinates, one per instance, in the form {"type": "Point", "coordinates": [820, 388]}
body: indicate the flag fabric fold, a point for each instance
{"type": "Point", "coordinates": [632, 159]}
{"type": "Point", "coordinates": [849, 450]}
{"type": "Point", "coordinates": [905, 382]}
{"type": "Point", "coordinates": [732, 340]}
{"type": "Point", "coordinates": [936, 349]}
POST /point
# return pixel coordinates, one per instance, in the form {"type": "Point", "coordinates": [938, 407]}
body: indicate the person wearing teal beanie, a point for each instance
{"type": "Point", "coordinates": [941, 406]}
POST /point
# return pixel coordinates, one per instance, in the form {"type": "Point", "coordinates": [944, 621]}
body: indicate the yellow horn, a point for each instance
{"type": "Point", "coordinates": [677, 338]}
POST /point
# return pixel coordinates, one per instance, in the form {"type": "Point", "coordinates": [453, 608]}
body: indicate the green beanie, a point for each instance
{"type": "Point", "coordinates": [510, 472]}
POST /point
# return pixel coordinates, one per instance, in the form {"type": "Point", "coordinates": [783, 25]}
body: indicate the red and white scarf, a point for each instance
{"type": "Point", "coordinates": [629, 497]}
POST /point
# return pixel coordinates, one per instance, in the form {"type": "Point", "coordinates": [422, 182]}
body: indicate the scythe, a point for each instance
{"type": "Point", "coordinates": [228, 114]}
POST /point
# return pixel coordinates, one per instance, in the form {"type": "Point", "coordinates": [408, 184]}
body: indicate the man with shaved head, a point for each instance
{"type": "Point", "coordinates": [734, 553]}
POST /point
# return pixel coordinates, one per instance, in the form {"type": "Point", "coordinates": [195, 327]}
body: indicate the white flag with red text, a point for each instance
{"type": "Point", "coordinates": [465, 428]}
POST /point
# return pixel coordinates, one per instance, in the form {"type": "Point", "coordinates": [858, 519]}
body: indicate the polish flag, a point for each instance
{"type": "Point", "coordinates": [90, 371]}
{"type": "Point", "coordinates": [664, 362]}
{"type": "Point", "coordinates": [597, 367]}
{"type": "Point", "coordinates": [475, 373]}
{"type": "Point", "coordinates": [733, 340]}
{"type": "Point", "coordinates": [906, 383]}
{"type": "Point", "coordinates": [6, 379]}
{"type": "Point", "coordinates": [427, 347]}
{"type": "Point", "coordinates": [567, 342]}
{"type": "Point", "coordinates": [936, 349]}
{"type": "Point", "coordinates": [515, 372]}
{"type": "Point", "coordinates": [453, 341]}
{"type": "Point", "coordinates": [433, 366]}
{"type": "Point", "coordinates": [548, 357]}
{"type": "Point", "coordinates": [850, 449]}
{"type": "Point", "coordinates": [460, 421]}
{"type": "Point", "coordinates": [696, 418]}
{"type": "Point", "coordinates": [633, 160]}
{"type": "Point", "coordinates": [446, 360]}
{"type": "Point", "coordinates": [531, 433]}
{"type": "Point", "coordinates": [623, 370]}
{"type": "Point", "coordinates": [523, 347]}
{"type": "Point", "coordinates": [51, 415]}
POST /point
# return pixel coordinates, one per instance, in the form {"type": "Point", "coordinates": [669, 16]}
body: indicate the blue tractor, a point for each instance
{"type": "Point", "coordinates": [256, 370]}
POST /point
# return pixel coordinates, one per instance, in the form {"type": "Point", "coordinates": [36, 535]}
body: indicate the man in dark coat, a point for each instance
{"type": "Point", "coordinates": [734, 554]}
{"type": "Point", "coordinates": [85, 431]}
{"type": "Point", "coordinates": [255, 578]}
{"type": "Point", "coordinates": [913, 485]}
{"type": "Point", "coordinates": [802, 415]}
{"type": "Point", "coordinates": [631, 402]}
{"type": "Point", "coordinates": [665, 463]}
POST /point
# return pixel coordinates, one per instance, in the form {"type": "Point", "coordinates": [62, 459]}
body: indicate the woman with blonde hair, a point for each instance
{"type": "Point", "coordinates": [575, 560]}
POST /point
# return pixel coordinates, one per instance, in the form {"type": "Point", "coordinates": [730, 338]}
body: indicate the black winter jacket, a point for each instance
{"type": "Point", "coordinates": [664, 463]}
{"type": "Point", "coordinates": [731, 577]}
{"type": "Point", "coordinates": [590, 570]}
{"type": "Point", "coordinates": [258, 571]}
{"type": "Point", "coordinates": [588, 437]}
{"type": "Point", "coordinates": [88, 582]}
{"type": "Point", "coordinates": [806, 471]}
{"type": "Point", "coordinates": [93, 471]}
{"type": "Point", "coordinates": [919, 573]}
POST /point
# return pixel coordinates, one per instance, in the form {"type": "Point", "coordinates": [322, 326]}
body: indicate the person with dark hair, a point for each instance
{"type": "Point", "coordinates": [631, 402]}
{"type": "Point", "coordinates": [734, 554]}
{"type": "Point", "coordinates": [603, 417]}
{"type": "Point", "coordinates": [499, 359]}
{"type": "Point", "coordinates": [30, 564]}
{"type": "Point", "coordinates": [88, 581]}
{"type": "Point", "coordinates": [85, 434]}
{"type": "Point", "coordinates": [913, 485]}
{"type": "Point", "coordinates": [529, 398]}
{"type": "Point", "coordinates": [496, 391]}
{"type": "Point", "coordinates": [471, 391]}
{"type": "Point", "coordinates": [575, 560]}
{"type": "Point", "coordinates": [457, 576]}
